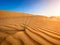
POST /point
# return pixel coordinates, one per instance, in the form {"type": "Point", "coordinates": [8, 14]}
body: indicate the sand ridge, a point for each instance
{"type": "Point", "coordinates": [28, 29]}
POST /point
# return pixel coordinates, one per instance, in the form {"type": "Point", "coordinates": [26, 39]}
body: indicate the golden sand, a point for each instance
{"type": "Point", "coordinates": [26, 29]}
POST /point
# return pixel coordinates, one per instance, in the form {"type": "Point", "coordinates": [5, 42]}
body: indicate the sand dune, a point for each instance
{"type": "Point", "coordinates": [27, 29]}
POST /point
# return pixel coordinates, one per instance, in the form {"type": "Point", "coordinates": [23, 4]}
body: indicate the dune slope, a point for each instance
{"type": "Point", "coordinates": [26, 29]}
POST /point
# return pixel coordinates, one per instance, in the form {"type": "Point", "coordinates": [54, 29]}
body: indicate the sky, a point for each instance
{"type": "Point", "coordinates": [36, 7]}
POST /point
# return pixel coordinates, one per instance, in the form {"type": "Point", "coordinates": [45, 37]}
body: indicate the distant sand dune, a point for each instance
{"type": "Point", "coordinates": [26, 29]}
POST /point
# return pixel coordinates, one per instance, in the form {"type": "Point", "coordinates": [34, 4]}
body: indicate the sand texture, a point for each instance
{"type": "Point", "coordinates": [26, 29]}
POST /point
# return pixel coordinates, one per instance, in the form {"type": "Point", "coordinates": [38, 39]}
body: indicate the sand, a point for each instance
{"type": "Point", "coordinates": [27, 29]}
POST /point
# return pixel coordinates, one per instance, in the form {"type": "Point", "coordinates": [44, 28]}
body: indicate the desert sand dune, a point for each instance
{"type": "Point", "coordinates": [26, 29]}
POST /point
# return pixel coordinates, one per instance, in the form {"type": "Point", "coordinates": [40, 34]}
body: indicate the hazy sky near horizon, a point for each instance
{"type": "Point", "coordinates": [40, 7]}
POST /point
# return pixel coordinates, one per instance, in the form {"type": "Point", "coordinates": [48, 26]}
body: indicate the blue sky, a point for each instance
{"type": "Point", "coordinates": [40, 7]}
{"type": "Point", "coordinates": [17, 5]}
